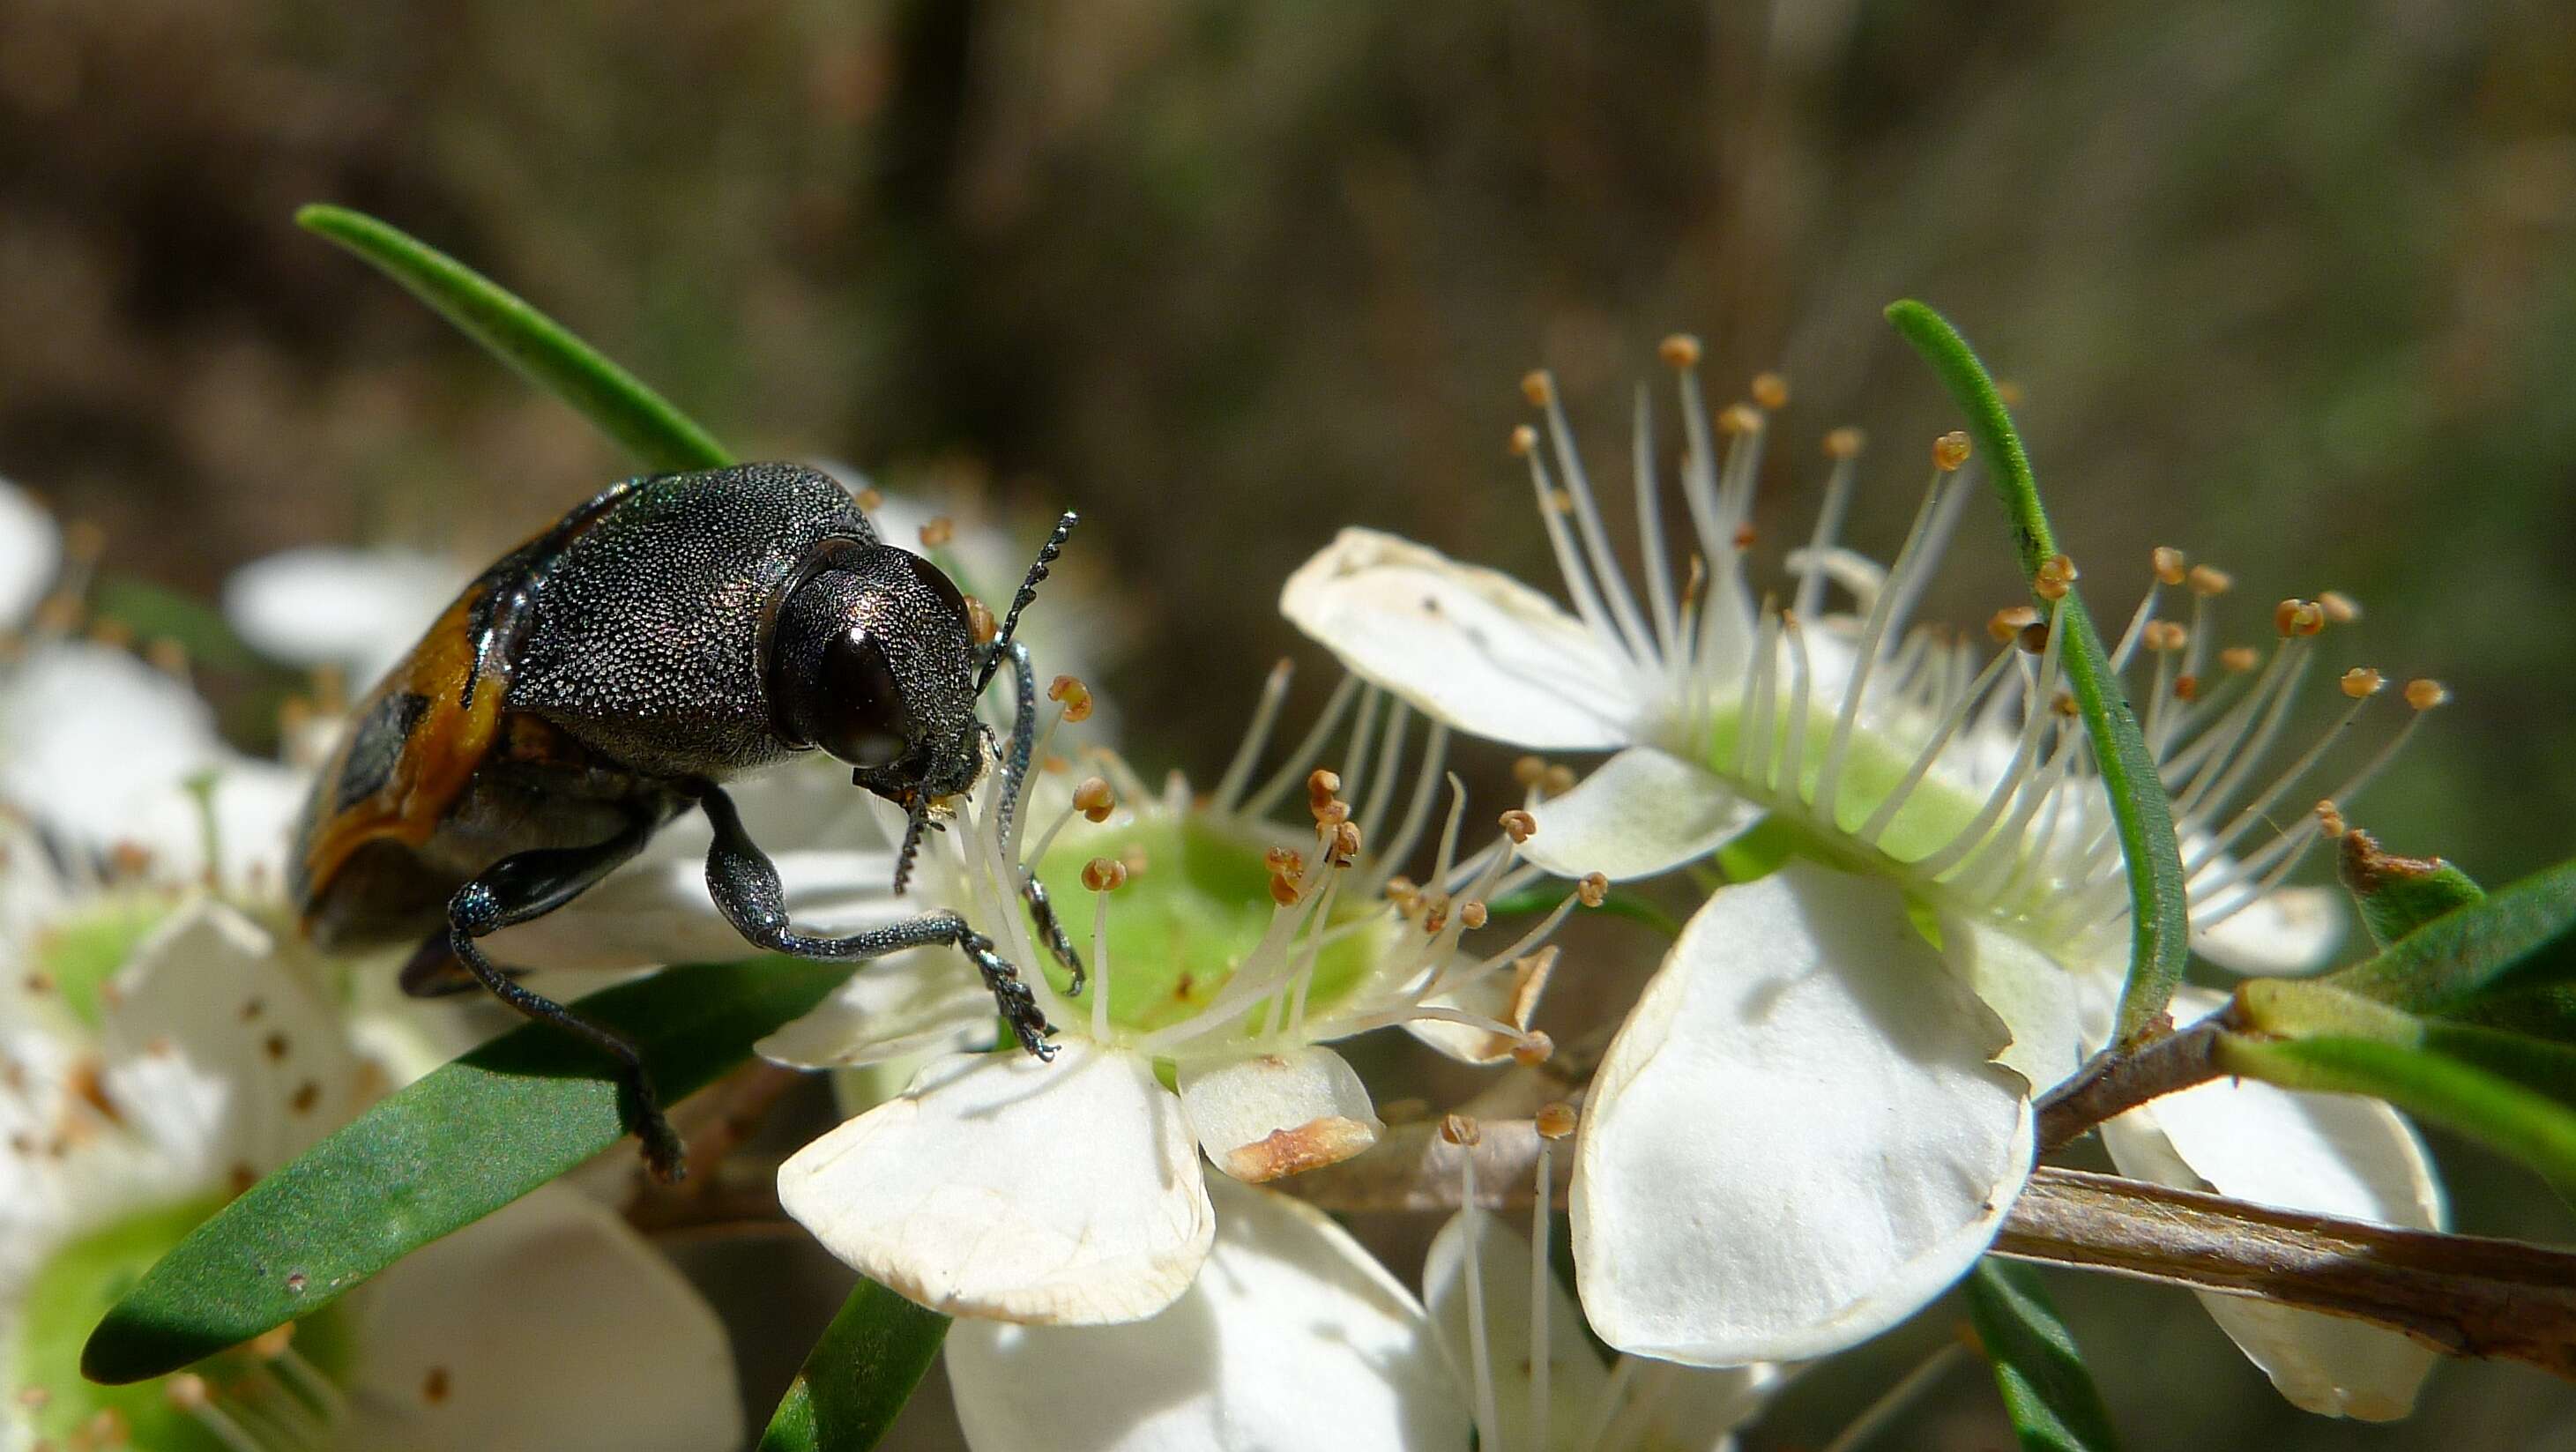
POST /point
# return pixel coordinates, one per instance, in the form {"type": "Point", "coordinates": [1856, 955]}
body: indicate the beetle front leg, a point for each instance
{"type": "Point", "coordinates": [745, 886]}
{"type": "Point", "coordinates": [1051, 928]}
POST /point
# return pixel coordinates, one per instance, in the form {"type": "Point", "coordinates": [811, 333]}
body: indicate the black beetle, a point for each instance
{"type": "Point", "coordinates": [607, 676]}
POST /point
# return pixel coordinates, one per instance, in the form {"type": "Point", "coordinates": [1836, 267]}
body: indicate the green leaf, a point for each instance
{"type": "Point", "coordinates": [2048, 1393]}
{"type": "Point", "coordinates": [858, 1376]}
{"type": "Point", "coordinates": [548, 354]}
{"type": "Point", "coordinates": [157, 612]}
{"type": "Point", "coordinates": [2516, 937]}
{"type": "Point", "coordinates": [2397, 895]}
{"type": "Point", "coordinates": [2511, 1118]}
{"type": "Point", "coordinates": [465, 1140]}
{"type": "Point", "coordinates": [2544, 1011]}
{"type": "Point", "coordinates": [2160, 929]}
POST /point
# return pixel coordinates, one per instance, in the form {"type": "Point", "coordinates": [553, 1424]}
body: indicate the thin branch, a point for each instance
{"type": "Point", "coordinates": [2121, 1080]}
{"type": "Point", "coordinates": [2465, 1295]}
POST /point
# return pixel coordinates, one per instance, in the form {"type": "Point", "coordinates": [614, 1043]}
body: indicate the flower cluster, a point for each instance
{"type": "Point", "coordinates": [1910, 923]}
{"type": "Point", "coordinates": [1818, 1113]}
{"type": "Point", "coordinates": [1225, 953]}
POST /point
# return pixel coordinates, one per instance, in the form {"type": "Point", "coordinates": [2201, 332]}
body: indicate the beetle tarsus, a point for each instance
{"type": "Point", "coordinates": [1019, 1007]}
{"type": "Point", "coordinates": [1051, 929]}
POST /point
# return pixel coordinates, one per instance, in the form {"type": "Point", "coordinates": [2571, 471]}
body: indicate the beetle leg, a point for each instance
{"type": "Point", "coordinates": [1015, 777]}
{"type": "Point", "coordinates": [745, 886]}
{"type": "Point", "coordinates": [530, 885]}
{"type": "Point", "coordinates": [1051, 928]}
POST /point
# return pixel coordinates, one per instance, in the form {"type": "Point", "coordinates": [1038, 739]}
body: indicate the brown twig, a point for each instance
{"type": "Point", "coordinates": [2123, 1079]}
{"type": "Point", "coordinates": [2461, 1294]}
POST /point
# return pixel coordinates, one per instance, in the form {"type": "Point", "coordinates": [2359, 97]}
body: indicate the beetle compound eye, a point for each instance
{"type": "Point", "coordinates": [860, 715]}
{"type": "Point", "coordinates": [831, 681]}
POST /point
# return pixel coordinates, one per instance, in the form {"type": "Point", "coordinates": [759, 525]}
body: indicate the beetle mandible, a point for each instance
{"type": "Point", "coordinates": [611, 674]}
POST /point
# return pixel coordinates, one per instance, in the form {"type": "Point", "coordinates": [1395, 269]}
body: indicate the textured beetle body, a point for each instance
{"type": "Point", "coordinates": [612, 673]}
{"type": "Point", "coordinates": [568, 690]}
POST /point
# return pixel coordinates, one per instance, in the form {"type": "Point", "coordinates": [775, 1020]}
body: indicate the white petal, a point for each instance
{"type": "Point", "coordinates": [222, 1054]}
{"type": "Point", "coordinates": [1262, 1116]}
{"type": "Point", "coordinates": [254, 806]}
{"type": "Point", "coordinates": [928, 1000]}
{"type": "Point", "coordinates": [1506, 995]}
{"type": "Point", "coordinates": [2288, 930]}
{"type": "Point", "coordinates": [360, 610]}
{"type": "Point", "coordinates": [2035, 997]}
{"type": "Point", "coordinates": [2335, 1154]}
{"type": "Point", "coordinates": [31, 548]}
{"type": "Point", "coordinates": [546, 1324]}
{"type": "Point", "coordinates": [1798, 1137]}
{"type": "Point", "coordinates": [1472, 647]}
{"type": "Point", "coordinates": [1639, 813]}
{"type": "Point", "coordinates": [92, 738]}
{"type": "Point", "coordinates": [1292, 1338]}
{"type": "Point", "coordinates": [1063, 1193]}
{"type": "Point", "coordinates": [1576, 1378]}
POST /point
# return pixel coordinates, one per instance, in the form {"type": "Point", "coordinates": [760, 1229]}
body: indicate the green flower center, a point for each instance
{"type": "Point", "coordinates": [78, 955]}
{"type": "Point", "coordinates": [77, 1286]}
{"type": "Point", "coordinates": [1194, 910]}
{"type": "Point", "coordinates": [1874, 766]}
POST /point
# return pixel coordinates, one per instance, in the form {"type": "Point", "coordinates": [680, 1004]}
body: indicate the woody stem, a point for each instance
{"type": "Point", "coordinates": [2464, 1295]}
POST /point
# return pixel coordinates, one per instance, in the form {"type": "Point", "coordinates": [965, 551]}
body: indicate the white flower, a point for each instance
{"type": "Point", "coordinates": [1293, 1337]}
{"type": "Point", "coordinates": [31, 551]}
{"type": "Point", "coordinates": [2335, 1154]}
{"type": "Point", "coordinates": [357, 611]}
{"type": "Point", "coordinates": [1817, 1115]}
{"type": "Point", "coordinates": [134, 1103]}
{"type": "Point", "coordinates": [1071, 1192]}
{"type": "Point", "coordinates": [120, 763]}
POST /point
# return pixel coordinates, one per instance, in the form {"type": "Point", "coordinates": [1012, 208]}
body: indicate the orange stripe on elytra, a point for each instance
{"type": "Point", "coordinates": [440, 756]}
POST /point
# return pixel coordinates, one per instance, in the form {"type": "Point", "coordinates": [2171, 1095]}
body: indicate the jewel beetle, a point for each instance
{"type": "Point", "coordinates": [611, 674]}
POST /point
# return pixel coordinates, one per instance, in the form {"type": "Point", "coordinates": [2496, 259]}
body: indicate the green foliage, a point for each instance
{"type": "Point", "coordinates": [2517, 938]}
{"type": "Point", "coordinates": [2049, 1395]}
{"type": "Point", "coordinates": [2159, 925]}
{"type": "Point", "coordinates": [547, 353]}
{"type": "Point", "coordinates": [2397, 895]}
{"type": "Point", "coordinates": [858, 1376]}
{"type": "Point", "coordinates": [464, 1141]}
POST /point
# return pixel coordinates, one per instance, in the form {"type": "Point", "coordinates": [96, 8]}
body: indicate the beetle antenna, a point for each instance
{"type": "Point", "coordinates": [1047, 554]}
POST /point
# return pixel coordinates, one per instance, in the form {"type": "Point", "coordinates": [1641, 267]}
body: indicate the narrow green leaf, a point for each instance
{"type": "Point", "coordinates": [2397, 895]}
{"type": "Point", "coordinates": [2519, 936]}
{"type": "Point", "coordinates": [2508, 1117]}
{"type": "Point", "coordinates": [437, 1155]}
{"type": "Point", "coordinates": [547, 353]}
{"type": "Point", "coordinates": [2541, 1067]}
{"type": "Point", "coordinates": [2160, 929]}
{"type": "Point", "coordinates": [2544, 1011]}
{"type": "Point", "coordinates": [858, 1376]}
{"type": "Point", "coordinates": [2050, 1396]}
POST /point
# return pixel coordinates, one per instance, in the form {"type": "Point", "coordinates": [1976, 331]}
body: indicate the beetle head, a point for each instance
{"type": "Point", "coordinates": [871, 659]}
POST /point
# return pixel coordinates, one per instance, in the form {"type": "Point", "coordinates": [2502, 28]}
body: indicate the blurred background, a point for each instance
{"type": "Point", "coordinates": [2292, 286]}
